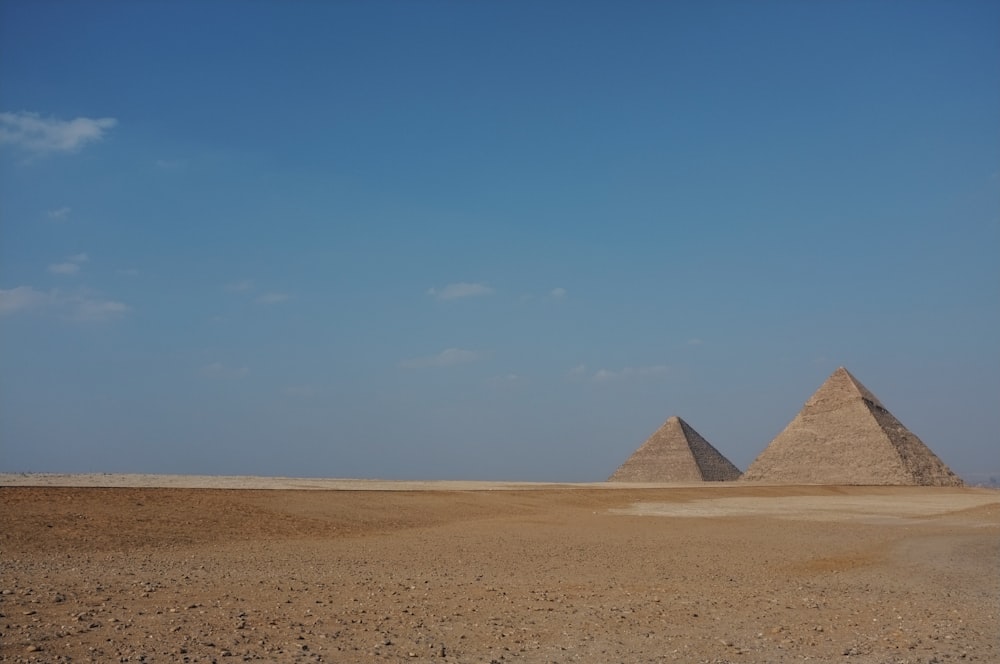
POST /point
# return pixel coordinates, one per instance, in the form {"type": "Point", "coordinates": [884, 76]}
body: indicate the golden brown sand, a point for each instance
{"type": "Point", "coordinates": [470, 573]}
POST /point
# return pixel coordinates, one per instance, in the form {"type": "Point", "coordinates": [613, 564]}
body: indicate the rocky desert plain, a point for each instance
{"type": "Point", "coordinates": [111, 568]}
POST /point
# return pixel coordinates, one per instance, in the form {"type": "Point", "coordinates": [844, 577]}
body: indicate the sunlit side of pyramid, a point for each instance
{"type": "Point", "coordinates": [675, 453]}
{"type": "Point", "coordinates": [844, 435]}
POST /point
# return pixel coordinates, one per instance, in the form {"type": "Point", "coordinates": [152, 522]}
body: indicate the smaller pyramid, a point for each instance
{"type": "Point", "coordinates": [676, 453]}
{"type": "Point", "coordinates": [844, 435]}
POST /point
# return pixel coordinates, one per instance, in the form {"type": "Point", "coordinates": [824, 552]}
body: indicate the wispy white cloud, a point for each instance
{"type": "Point", "coordinates": [170, 164]}
{"type": "Point", "coordinates": [83, 306]}
{"type": "Point", "coordinates": [59, 214]}
{"type": "Point", "coordinates": [220, 371]}
{"type": "Point", "coordinates": [506, 379]}
{"type": "Point", "coordinates": [551, 295]}
{"type": "Point", "coordinates": [96, 309]}
{"type": "Point", "coordinates": [446, 358]}
{"type": "Point", "coordinates": [71, 266]}
{"type": "Point", "coordinates": [272, 298]}
{"type": "Point", "coordinates": [68, 268]}
{"type": "Point", "coordinates": [579, 371]}
{"type": "Point", "coordinates": [605, 375]}
{"type": "Point", "coordinates": [240, 286]}
{"type": "Point", "coordinates": [247, 286]}
{"type": "Point", "coordinates": [459, 290]}
{"type": "Point", "coordinates": [22, 298]}
{"type": "Point", "coordinates": [33, 133]}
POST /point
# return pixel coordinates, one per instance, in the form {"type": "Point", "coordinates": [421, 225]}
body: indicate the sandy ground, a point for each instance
{"type": "Point", "coordinates": [110, 571]}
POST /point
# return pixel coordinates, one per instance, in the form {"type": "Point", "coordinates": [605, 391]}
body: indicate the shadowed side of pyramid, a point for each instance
{"type": "Point", "coordinates": [844, 435]}
{"type": "Point", "coordinates": [675, 453]}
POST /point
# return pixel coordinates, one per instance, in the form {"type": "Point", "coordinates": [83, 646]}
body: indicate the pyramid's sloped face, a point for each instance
{"type": "Point", "coordinates": [712, 466]}
{"type": "Point", "coordinates": [675, 453]}
{"type": "Point", "coordinates": [832, 446]}
{"type": "Point", "coordinates": [921, 464]}
{"type": "Point", "coordinates": [844, 435]}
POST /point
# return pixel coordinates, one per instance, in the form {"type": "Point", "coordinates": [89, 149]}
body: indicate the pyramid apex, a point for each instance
{"type": "Point", "coordinates": [836, 382]}
{"type": "Point", "coordinates": [842, 371]}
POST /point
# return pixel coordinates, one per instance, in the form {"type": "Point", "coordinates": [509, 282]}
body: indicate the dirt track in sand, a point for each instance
{"type": "Point", "coordinates": [557, 573]}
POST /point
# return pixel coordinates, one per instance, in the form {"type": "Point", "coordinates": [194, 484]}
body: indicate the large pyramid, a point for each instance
{"type": "Point", "coordinates": [675, 453]}
{"type": "Point", "coordinates": [844, 435]}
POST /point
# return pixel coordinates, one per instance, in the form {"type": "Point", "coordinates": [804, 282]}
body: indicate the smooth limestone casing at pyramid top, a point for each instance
{"type": "Point", "coordinates": [844, 435]}
{"type": "Point", "coordinates": [675, 453]}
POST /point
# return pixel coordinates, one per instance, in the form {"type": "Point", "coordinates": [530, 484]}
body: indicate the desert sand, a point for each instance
{"type": "Point", "coordinates": [117, 569]}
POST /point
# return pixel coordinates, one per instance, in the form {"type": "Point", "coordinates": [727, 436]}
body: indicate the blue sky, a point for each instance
{"type": "Point", "coordinates": [494, 240]}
